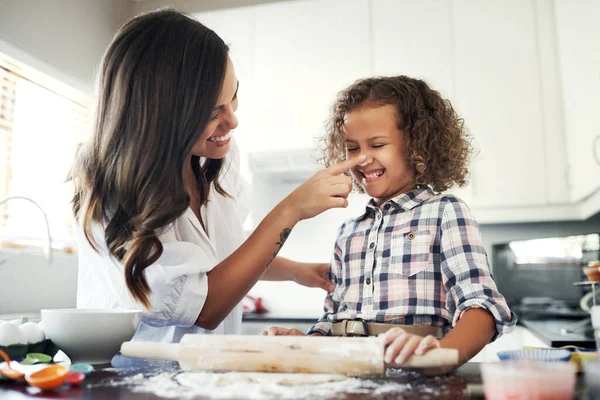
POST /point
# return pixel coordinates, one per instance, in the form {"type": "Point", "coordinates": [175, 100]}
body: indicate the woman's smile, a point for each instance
{"type": "Point", "coordinates": [222, 140]}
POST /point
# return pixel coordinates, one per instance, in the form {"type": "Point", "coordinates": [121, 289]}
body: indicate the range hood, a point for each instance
{"type": "Point", "coordinates": [288, 166]}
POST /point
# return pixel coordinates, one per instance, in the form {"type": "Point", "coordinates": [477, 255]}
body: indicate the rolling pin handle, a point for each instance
{"type": "Point", "coordinates": [154, 351]}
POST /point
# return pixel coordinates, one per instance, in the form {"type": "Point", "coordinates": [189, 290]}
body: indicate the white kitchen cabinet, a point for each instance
{"type": "Point", "coordinates": [497, 91]}
{"type": "Point", "coordinates": [518, 72]}
{"type": "Point", "coordinates": [502, 81]}
{"type": "Point", "coordinates": [420, 47]}
{"type": "Point", "coordinates": [578, 36]}
{"type": "Point", "coordinates": [235, 26]}
{"type": "Point", "coordinates": [305, 52]}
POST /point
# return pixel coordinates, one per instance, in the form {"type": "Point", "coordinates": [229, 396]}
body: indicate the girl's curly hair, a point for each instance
{"type": "Point", "coordinates": [437, 144]}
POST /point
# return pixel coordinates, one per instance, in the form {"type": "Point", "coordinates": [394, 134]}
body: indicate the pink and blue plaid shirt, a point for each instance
{"type": "Point", "coordinates": [417, 260]}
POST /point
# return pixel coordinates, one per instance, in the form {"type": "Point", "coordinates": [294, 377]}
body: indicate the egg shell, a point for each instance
{"type": "Point", "coordinates": [33, 333]}
{"type": "Point", "coordinates": [41, 326]}
{"type": "Point", "coordinates": [10, 334]}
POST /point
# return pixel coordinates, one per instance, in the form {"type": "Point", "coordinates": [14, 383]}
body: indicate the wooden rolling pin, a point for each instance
{"type": "Point", "coordinates": [354, 356]}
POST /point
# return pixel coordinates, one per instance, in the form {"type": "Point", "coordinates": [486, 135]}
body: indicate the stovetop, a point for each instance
{"type": "Point", "coordinates": [550, 331]}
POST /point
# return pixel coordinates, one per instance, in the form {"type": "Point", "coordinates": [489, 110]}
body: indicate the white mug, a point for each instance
{"type": "Point", "coordinates": [595, 311]}
{"type": "Point", "coordinates": [587, 301]}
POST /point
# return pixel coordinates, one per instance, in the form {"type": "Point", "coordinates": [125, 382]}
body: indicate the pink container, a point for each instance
{"type": "Point", "coordinates": [528, 380]}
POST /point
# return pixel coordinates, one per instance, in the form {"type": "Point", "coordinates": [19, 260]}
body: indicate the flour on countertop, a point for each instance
{"type": "Point", "coordinates": [237, 385]}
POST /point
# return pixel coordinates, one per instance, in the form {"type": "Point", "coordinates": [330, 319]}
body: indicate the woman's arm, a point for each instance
{"type": "Point", "coordinates": [305, 274]}
{"type": "Point", "coordinates": [322, 327]}
{"type": "Point", "coordinates": [231, 279]}
{"type": "Point", "coordinates": [281, 269]}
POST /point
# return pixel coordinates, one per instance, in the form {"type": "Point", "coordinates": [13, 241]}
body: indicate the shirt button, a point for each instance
{"type": "Point", "coordinates": [387, 206]}
{"type": "Point", "coordinates": [368, 281]}
{"type": "Point", "coordinates": [372, 245]}
{"type": "Point", "coordinates": [378, 216]}
{"type": "Point", "coordinates": [411, 236]}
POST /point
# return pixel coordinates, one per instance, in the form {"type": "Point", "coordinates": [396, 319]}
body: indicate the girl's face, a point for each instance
{"type": "Point", "coordinates": [214, 141]}
{"type": "Point", "coordinates": [373, 131]}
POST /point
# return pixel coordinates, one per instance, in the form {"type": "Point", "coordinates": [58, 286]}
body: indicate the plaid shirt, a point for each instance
{"type": "Point", "coordinates": [417, 260]}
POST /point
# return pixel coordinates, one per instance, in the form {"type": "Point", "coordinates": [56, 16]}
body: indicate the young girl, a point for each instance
{"type": "Point", "coordinates": [159, 198]}
{"type": "Point", "coordinates": [414, 261]}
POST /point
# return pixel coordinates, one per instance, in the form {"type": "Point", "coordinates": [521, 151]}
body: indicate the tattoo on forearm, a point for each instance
{"type": "Point", "coordinates": [282, 238]}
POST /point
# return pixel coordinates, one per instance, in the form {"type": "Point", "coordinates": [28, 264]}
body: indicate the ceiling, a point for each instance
{"type": "Point", "coordinates": [192, 6]}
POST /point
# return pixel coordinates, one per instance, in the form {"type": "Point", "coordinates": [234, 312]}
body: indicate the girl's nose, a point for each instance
{"type": "Point", "coordinates": [367, 161]}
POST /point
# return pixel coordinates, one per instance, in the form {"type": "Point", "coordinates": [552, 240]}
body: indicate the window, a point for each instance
{"type": "Point", "coordinates": [41, 124]}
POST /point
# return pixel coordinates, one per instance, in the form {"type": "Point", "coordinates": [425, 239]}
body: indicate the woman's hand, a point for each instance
{"type": "Point", "coordinates": [306, 274]}
{"type": "Point", "coordinates": [313, 275]}
{"type": "Point", "coordinates": [328, 188]}
{"type": "Point", "coordinates": [279, 331]}
{"type": "Point", "coordinates": [400, 346]}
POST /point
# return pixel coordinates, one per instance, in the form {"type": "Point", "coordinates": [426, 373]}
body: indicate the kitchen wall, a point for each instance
{"type": "Point", "coordinates": [507, 84]}
{"type": "Point", "coordinates": [312, 241]}
{"type": "Point", "coordinates": [35, 284]}
{"type": "Point", "coordinates": [62, 38]}
{"type": "Point", "coordinates": [28, 283]}
{"type": "Point", "coordinates": [66, 38]}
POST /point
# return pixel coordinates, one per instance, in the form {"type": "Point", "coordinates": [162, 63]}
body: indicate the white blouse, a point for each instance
{"type": "Point", "coordinates": [178, 278]}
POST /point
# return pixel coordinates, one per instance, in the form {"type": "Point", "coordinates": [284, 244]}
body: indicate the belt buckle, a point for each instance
{"type": "Point", "coordinates": [365, 327]}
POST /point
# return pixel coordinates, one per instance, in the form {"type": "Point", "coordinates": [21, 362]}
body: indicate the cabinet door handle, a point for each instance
{"type": "Point", "coordinates": [596, 150]}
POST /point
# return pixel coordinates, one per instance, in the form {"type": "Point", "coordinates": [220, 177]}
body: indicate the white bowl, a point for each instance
{"type": "Point", "coordinates": [90, 336]}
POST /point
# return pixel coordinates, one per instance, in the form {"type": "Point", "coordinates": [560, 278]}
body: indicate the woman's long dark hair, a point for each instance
{"type": "Point", "coordinates": [159, 82]}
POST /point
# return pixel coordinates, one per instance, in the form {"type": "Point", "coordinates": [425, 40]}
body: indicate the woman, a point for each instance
{"type": "Point", "coordinates": [158, 199]}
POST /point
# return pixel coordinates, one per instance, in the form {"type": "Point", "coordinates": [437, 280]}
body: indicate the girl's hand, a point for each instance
{"type": "Point", "coordinates": [328, 188]}
{"type": "Point", "coordinates": [279, 331]}
{"type": "Point", "coordinates": [313, 275]}
{"type": "Point", "coordinates": [400, 346]}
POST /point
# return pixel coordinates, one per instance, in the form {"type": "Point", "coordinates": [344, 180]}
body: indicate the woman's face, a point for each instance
{"type": "Point", "coordinates": [214, 141]}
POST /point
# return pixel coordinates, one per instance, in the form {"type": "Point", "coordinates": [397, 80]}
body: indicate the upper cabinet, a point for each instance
{"type": "Point", "coordinates": [524, 75]}
{"type": "Point", "coordinates": [497, 91]}
{"type": "Point", "coordinates": [292, 58]}
{"type": "Point", "coordinates": [418, 47]}
{"type": "Point", "coordinates": [578, 37]}
{"type": "Point", "coordinates": [495, 79]}
{"type": "Point", "coordinates": [305, 52]}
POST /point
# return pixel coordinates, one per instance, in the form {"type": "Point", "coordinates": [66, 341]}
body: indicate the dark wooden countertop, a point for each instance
{"type": "Point", "coordinates": [453, 386]}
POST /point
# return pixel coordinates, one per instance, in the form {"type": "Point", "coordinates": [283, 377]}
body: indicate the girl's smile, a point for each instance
{"type": "Point", "coordinates": [372, 176]}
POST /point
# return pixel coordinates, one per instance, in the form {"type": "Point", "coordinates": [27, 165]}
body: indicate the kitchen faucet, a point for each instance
{"type": "Point", "coordinates": [48, 248]}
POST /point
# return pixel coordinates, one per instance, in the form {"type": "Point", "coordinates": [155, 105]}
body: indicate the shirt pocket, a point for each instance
{"type": "Point", "coordinates": [410, 252]}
